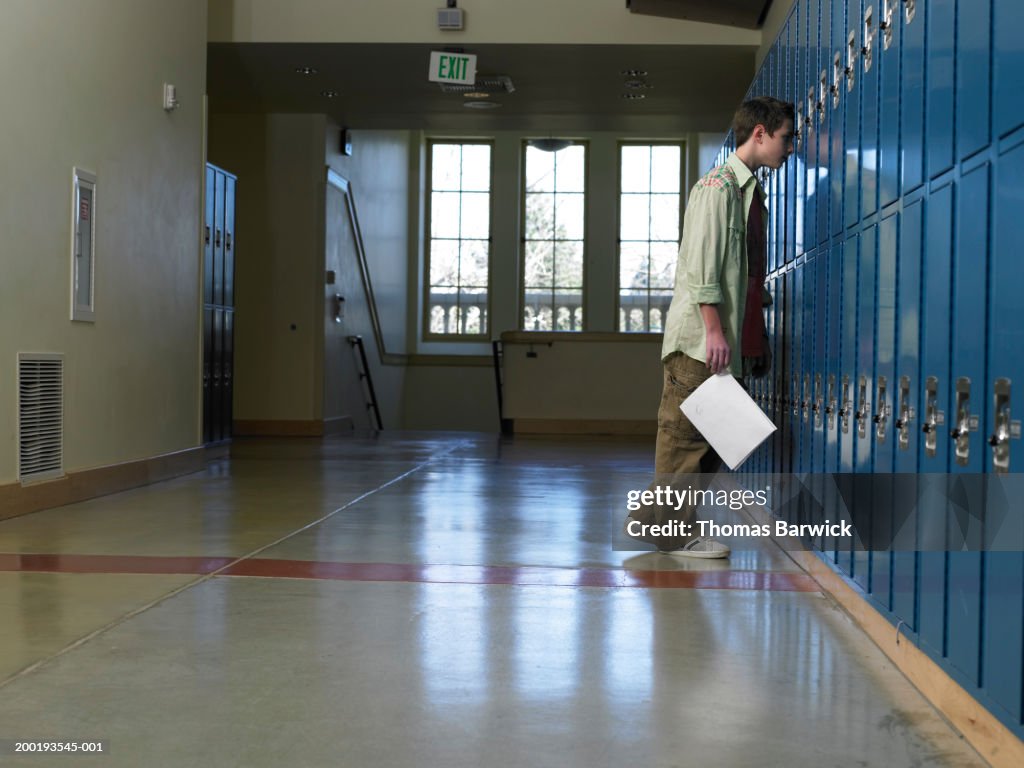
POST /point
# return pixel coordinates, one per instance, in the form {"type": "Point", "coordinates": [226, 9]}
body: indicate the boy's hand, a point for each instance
{"type": "Point", "coordinates": [717, 352]}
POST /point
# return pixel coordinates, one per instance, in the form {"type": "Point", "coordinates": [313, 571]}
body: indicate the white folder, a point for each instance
{"type": "Point", "coordinates": [728, 418]}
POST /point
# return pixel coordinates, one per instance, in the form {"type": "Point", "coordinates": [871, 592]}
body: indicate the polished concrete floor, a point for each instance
{"type": "Point", "coordinates": [427, 600]}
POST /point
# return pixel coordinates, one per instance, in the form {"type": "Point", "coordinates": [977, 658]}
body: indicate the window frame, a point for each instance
{"type": "Point", "coordinates": [681, 144]}
{"type": "Point", "coordinates": [426, 334]}
{"type": "Point", "coordinates": [521, 293]}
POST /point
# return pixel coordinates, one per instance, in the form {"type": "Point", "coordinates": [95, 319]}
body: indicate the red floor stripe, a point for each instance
{"type": "Point", "coordinates": [411, 572]}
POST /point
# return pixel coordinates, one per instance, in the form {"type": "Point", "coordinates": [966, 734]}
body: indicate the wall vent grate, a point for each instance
{"type": "Point", "coordinates": [40, 416]}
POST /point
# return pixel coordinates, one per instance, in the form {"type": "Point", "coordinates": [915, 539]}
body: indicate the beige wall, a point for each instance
{"type": "Point", "coordinates": [487, 21]}
{"type": "Point", "coordinates": [81, 90]}
{"type": "Point", "coordinates": [777, 16]}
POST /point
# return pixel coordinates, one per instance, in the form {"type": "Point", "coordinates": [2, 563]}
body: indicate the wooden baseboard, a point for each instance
{"type": "Point", "coordinates": [617, 427]}
{"type": "Point", "coordinates": [17, 499]}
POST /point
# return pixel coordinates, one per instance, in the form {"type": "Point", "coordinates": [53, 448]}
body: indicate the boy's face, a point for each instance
{"type": "Point", "coordinates": [775, 149]}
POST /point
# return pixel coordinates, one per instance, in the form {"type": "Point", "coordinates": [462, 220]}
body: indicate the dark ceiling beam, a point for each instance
{"type": "Point", "coordinates": [748, 14]}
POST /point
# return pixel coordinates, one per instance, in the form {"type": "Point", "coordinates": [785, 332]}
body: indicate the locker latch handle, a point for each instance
{"type": "Point", "coordinates": [805, 397]}
{"type": "Point", "coordinates": [216, 239]}
{"type": "Point", "coordinates": [886, 24]}
{"type": "Point", "coordinates": [837, 74]}
{"type": "Point", "coordinates": [910, 8]}
{"type": "Point", "coordinates": [823, 90]}
{"type": "Point", "coordinates": [206, 237]}
{"type": "Point", "coordinates": [794, 395]}
{"type": "Point", "coordinates": [869, 37]}
{"type": "Point", "coordinates": [884, 410]}
{"type": "Point", "coordinates": [798, 133]}
{"type": "Point", "coordinates": [905, 414]}
{"type": "Point", "coordinates": [819, 402]}
{"type": "Point", "coordinates": [831, 408]}
{"type": "Point", "coordinates": [851, 59]}
{"type": "Point", "coordinates": [933, 417]}
{"type": "Point", "coordinates": [863, 407]}
{"type": "Point", "coordinates": [812, 108]}
{"type": "Point", "coordinates": [844, 410]}
{"type": "Point", "coordinates": [227, 240]}
{"type": "Point", "coordinates": [1006, 428]}
{"type": "Point", "coordinates": [965, 422]}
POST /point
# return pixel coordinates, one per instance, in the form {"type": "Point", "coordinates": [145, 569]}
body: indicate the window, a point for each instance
{"type": "Point", "coordinates": [458, 258]}
{"type": "Point", "coordinates": [553, 224]}
{"type": "Point", "coordinates": [649, 206]}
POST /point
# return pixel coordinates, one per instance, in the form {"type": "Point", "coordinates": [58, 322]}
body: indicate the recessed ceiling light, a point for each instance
{"type": "Point", "coordinates": [634, 96]}
{"type": "Point", "coordinates": [634, 73]}
{"type": "Point", "coordinates": [329, 93]}
{"type": "Point", "coordinates": [481, 105]}
{"type": "Point", "coordinates": [305, 71]}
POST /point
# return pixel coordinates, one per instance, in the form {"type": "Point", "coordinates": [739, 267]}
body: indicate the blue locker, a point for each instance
{"type": "Point", "coordinates": [837, 111]}
{"type": "Point", "coordinates": [912, 98]}
{"type": "Point", "coordinates": [851, 137]}
{"type": "Point", "coordinates": [823, 81]}
{"type": "Point", "coordinates": [1004, 571]}
{"type": "Point", "coordinates": [870, 91]}
{"type": "Point", "coordinates": [968, 368]}
{"type": "Point", "coordinates": [940, 77]}
{"type": "Point", "coordinates": [907, 410]}
{"type": "Point", "coordinates": [890, 40]}
{"type": "Point", "coordinates": [934, 396]}
{"type": "Point", "coordinates": [789, 169]}
{"type": "Point", "coordinates": [832, 371]}
{"type": "Point", "coordinates": [847, 383]}
{"type": "Point", "coordinates": [974, 100]}
{"type": "Point", "coordinates": [864, 395]}
{"type": "Point", "coordinates": [1007, 64]}
{"type": "Point", "coordinates": [794, 323]}
{"type": "Point", "coordinates": [807, 364]}
{"type": "Point", "coordinates": [810, 98]}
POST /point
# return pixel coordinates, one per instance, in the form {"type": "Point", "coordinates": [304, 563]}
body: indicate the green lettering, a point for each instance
{"type": "Point", "coordinates": [442, 65]}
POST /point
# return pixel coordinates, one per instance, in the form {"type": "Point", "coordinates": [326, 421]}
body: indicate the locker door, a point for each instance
{"type": "Point", "coordinates": [1007, 64]}
{"type": "Point", "coordinates": [854, 87]}
{"type": "Point", "coordinates": [216, 378]}
{"type": "Point", "coordinates": [227, 373]}
{"type": "Point", "coordinates": [209, 224]}
{"type": "Point", "coordinates": [1004, 571]}
{"type": "Point", "coordinates": [882, 419]}
{"type": "Point", "coordinates": [823, 81]}
{"type": "Point", "coordinates": [869, 70]}
{"type": "Point", "coordinates": [974, 102]}
{"type": "Point", "coordinates": [941, 81]}
{"type": "Point", "coordinates": [933, 394]}
{"type": "Point", "coordinates": [774, 339]}
{"type": "Point", "coordinates": [906, 413]}
{"type": "Point", "coordinates": [809, 85]}
{"type": "Point", "coordinates": [968, 366]}
{"type": "Point", "coordinates": [912, 86]}
{"type": "Point", "coordinates": [208, 351]}
{"type": "Point", "coordinates": [218, 239]}
{"type": "Point", "coordinates": [864, 395]}
{"type": "Point", "coordinates": [229, 241]}
{"type": "Point", "coordinates": [837, 115]}
{"type": "Point", "coordinates": [805, 290]}
{"type": "Point", "coordinates": [793, 344]}
{"type": "Point", "coordinates": [792, 165]}
{"type": "Point", "coordinates": [830, 281]}
{"type": "Point", "coordinates": [847, 384]}
{"type": "Point", "coordinates": [888, 45]}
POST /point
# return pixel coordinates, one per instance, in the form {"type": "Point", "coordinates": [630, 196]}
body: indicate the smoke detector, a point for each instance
{"type": "Point", "coordinates": [450, 19]}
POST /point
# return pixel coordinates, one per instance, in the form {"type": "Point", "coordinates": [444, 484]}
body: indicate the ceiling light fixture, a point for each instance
{"type": "Point", "coordinates": [634, 96]}
{"type": "Point", "coordinates": [481, 105]}
{"type": "Point", "coordinates": [634, 73]}
{"type": "Point", "coordinates": [477, 95]}
{"type": "Point", "coordinates": [330, 93]}
{"type": "Point", "coordinates": [551, 145]}
{"type": "Point", "coordinates": [305, 71]}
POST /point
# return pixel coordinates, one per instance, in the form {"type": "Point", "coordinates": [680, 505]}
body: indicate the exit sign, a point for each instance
{"type": "Point", "coordinates": [452, 68]}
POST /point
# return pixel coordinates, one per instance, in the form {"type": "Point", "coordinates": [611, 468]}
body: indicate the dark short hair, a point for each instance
{"type": "Point", "coordinates": [770, 112]}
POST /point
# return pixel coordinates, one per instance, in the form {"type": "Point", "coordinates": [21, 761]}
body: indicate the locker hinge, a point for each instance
{"type": "Point", "coordinates": [933, 417]}
{"type": "Point", "coordinates": [1006, 428]}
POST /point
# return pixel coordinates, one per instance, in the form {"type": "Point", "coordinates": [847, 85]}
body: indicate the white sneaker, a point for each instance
{"type": "Point", "coordinates": [701, 547]}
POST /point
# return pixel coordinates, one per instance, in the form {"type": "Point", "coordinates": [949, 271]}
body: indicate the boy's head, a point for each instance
{"type": "Point", "coordinates": [763, 127]}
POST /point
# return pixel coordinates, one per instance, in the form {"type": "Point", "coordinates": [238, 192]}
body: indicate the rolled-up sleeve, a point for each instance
{"type": "Point", "coordinates": [704, 245]}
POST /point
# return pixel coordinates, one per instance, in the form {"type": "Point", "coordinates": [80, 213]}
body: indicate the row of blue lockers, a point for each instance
{"type": "Point", "coordinates": [895, 276]}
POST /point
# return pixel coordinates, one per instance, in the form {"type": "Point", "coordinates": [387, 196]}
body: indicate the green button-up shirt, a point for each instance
{"type": "Point", "coordinates": [712, 265]}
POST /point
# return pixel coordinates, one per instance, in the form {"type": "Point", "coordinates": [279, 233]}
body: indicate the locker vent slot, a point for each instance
{"type": "Point", "coordinates": [40, 416]}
